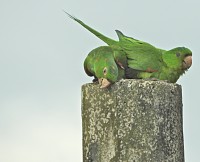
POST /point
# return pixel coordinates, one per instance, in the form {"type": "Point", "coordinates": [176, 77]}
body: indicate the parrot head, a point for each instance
{"type": "Point", "coordinates": [179, 58]}
{"type": "Point", "coordinates": [106, 72]}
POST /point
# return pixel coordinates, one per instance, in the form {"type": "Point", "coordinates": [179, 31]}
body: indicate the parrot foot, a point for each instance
{"type": "Point", "coordinates": [95, 80]}
{"type": "Point", "coordinates": [166, 81]}
{"type": "Point", "coordinates": [151, 79]}
{"type": "Point", "coordinates": [155, 79]}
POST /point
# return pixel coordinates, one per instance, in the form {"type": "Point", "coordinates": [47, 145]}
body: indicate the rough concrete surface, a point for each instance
{"type": "Point", "coordinates": [132, 121]}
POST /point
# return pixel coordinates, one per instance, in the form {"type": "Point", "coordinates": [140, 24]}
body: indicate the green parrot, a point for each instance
{"type": "Point", "coordinates": [145, 61]}
{"type": "Point", "coordinates": [101, 64]}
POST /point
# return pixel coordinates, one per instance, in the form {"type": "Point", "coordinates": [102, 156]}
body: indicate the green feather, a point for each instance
{"type": "Point", "coordinates": [96, 33]}
{"type": "Point", "coordinates": [100, 59]}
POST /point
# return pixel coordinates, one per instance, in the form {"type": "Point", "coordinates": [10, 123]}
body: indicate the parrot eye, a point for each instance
{"type": "Point", "coordinates": [178, 54]}
{"type": "Point", "coordinates": [105, 71]}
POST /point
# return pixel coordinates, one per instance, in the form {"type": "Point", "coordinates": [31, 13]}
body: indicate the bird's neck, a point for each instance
{"type": "Point", "coordinates": [172, 74]}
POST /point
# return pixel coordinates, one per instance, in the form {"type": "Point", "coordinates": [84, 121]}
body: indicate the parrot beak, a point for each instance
{"type": "Point", "coordinates": [104, 82]}
{"type": "Point", "coordinates": [187, 62]}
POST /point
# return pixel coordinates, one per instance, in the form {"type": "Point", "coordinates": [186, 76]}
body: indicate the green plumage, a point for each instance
{"type": "Point", "coordinates": [138, 59]}
{"type": "Point", "coordinates": [101, 64]}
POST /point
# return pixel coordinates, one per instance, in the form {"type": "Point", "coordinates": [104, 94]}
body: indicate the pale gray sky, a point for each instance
{"type": "Point", "coordinates": [41, 68]}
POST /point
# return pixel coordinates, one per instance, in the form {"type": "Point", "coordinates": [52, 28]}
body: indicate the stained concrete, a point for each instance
{"type": "Point", "coordinates": [132, 121]}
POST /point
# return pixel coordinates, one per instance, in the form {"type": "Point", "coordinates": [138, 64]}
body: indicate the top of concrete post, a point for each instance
{"type": "Point", "coordinates": [132, 121]}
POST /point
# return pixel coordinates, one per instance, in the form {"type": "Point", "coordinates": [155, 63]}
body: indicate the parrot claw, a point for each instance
{"type": "Point", "coordinates": [151, 79]}
{"type": "Point", "coordinates": [155, 79]}
{"type": "Point", "coordinates": [167, 81]}
{"type": "Point", "coordinates": [95, 80]}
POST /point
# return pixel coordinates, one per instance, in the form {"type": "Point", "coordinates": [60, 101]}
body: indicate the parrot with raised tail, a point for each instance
{"type": "Point", "coordinates": [139, 59]}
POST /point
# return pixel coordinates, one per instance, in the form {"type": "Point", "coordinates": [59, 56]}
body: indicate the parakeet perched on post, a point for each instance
{"type": "Point", "coordinates": [147, 61]}
{"type": "Point", "coordinates": [143, 59]}
{"type": "Point", "coordinates": [101, 64]}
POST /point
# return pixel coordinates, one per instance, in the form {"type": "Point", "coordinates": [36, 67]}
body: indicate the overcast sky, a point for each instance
{"type": "Point", "coordinates": [41, 68]}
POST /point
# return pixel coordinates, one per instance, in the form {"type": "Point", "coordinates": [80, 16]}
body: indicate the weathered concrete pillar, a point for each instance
{"type": "Point", "coordinates": [133, 121]}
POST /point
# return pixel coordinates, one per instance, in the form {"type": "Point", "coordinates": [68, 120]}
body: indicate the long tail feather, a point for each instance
{"type": "Point", "coordinates": [99, 35]}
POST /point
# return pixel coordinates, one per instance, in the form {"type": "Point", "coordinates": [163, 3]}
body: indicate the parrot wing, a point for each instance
{"type": "Point", "coordinates": [143, 57]}
{"type": "Point", "coordinates": [140, 55]}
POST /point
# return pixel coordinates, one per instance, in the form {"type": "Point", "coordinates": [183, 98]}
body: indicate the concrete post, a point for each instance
{"type": "Point", "coordinates": [133, 121]}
